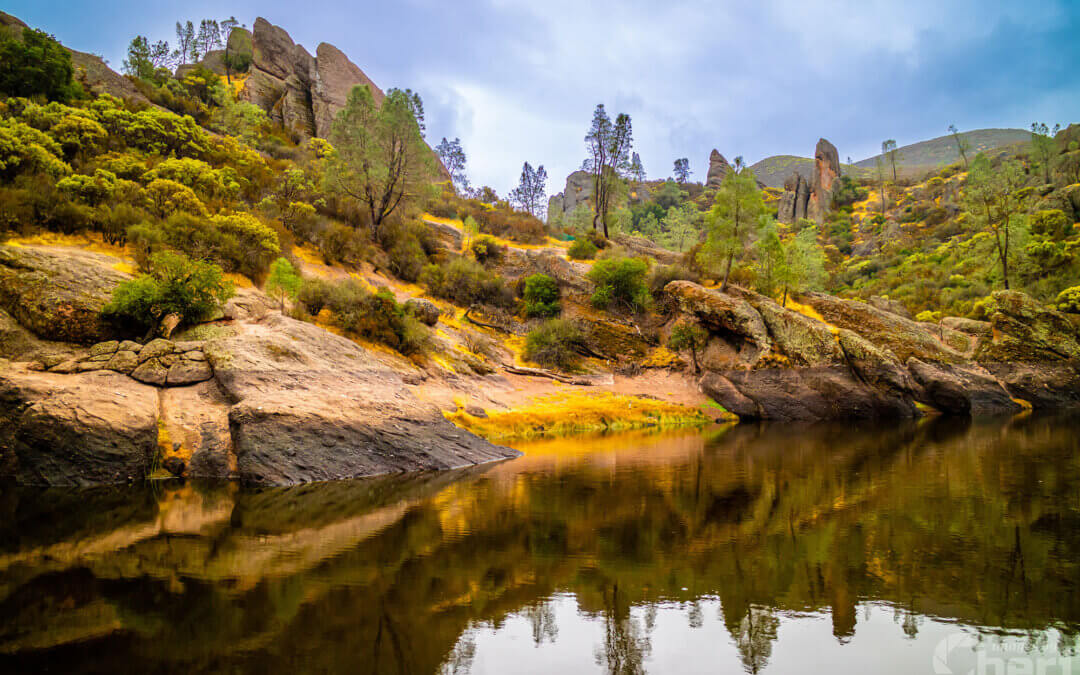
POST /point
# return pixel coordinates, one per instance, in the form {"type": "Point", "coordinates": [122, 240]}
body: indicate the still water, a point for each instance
{"type": "Point", "coordinates": [943, 546]}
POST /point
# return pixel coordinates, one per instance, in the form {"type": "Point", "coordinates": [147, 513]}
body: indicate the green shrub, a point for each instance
{"type": "Point", "coordinates": [284, 281]}
{"type": "Point", "coordinates": [486, 250]}
{"type": "Point", "coordinates": [376, 317]}
{"type": "Point", "coordinates": [665, 274]}
{"type": "Point", "coordinates": [238, 242]}
{"type": "Point", "coordinates": [928, 316]}
{"type": "Point", "coordinates": [1052, 223]}
{"type": "Point", "coordinates": [582, 249]}
{"type": "Point", "coordinates": [465, 282]}
{"type": "Point", "coordinates": [554, 344]}
{"type": "Point", "coordinates": [620, 283]}
{"type": "Point", "coordinates": [541, 296]}
{"type": "Point", "coordinates": [36, 65]}
{"type": "Point", "coordinates": [688, 337]}
{"type": "Point", "coordinates": [175, 285]}
{"type": "Point", "coordinates": [407, 258]}
{"type": "Point", "coordinates": [314, 295]}
{"type": "Point", "coordinates": [91, 190]}
{"type": "Point", "coordinates": [1069, 300]}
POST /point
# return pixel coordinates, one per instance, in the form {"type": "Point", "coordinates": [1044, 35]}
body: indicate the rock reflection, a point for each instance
{"type": "Point", "coordinates": [977, 523]}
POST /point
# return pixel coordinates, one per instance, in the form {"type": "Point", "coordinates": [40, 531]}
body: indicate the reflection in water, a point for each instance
{"type": "Point", "coordinates": [756, 549]}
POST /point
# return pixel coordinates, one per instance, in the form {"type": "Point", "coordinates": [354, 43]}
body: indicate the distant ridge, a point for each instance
{"type": "Point", "coordinates": [915, 158]}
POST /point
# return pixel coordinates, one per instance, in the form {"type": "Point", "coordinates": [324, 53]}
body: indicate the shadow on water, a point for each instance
{"type": "Point", "coordinates": [941, 520]}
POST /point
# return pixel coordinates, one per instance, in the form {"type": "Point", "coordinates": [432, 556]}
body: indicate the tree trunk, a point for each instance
{"type": "Point", "coordinates": [727, 272]}
{"type": "Point", "coordinates": [693, 358]}
{"type": "Point", "coordinates": [783, 303]}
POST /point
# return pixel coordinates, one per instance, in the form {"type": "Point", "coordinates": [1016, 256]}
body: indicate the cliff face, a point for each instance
{"type": "Point", "coordinates": [813, 199]}
{"type": "Point", "coordinates": [299, 91]}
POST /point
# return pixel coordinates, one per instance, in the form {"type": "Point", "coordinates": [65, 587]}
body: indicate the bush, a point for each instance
{"type": "Point", "coordinates": [239, 242]}
{"type": "Point", "coordinates": [175, 285]}
{"type": "Point", "coordinates": [486, 250]}
{"type": "Point", "coordinates": [554, 344]}
{"type": "Point", "coordinates": [665, 274]}
{"type": "Point", "coordinates": [284, 281]}
{"type": "Point", "coordinates": [168, 197]}
{"type": "Point", "coordinates": [314, 295]}
{"type": "Point", "coordinates": [1069, 300]}
{"type": "Point", "coordinates": [620, 282]}
{"type": "Point", "coordinates": [688, 337]}
{"type": "Point", "coordinates": [1052, 223]}
{"type": "Point", "coordinates": [541, 296]}
{"type": "Point", "coordinates": [376, 316]}
{"type": "Point", "coordinates": [582, 249]}
{"type": "Point", "coordinates": [36, 65]}
{"type": "Point", "coordinates": [928, 316]}
{"type": "Point", "coordinates": [465, 282]}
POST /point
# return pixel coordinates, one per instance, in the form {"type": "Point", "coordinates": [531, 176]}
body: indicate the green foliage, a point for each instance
{"type": "Point", "coordinates": [89, 189]}
{"type": "Point", "coordinates": [847, 192]}
{"type": "Point", "coordinates": [737, 207]}
{"type": "Point", "coordinates": [486, 250]}
{"type": "Point", "coordinates": [541, 296]}
{"type": "Point", "coordinates": [24, 148]}
{"type": "Point", "coordinates": [374, 316]}
{"type": "Point", "coordinates": [928, 316]}
{"type": "Point", "coordinates": [662, 275]}
{"type": "Point", "coordinates": [314, 295]}
{"type": "Point", "coordinates": [1052, 223]}
{"type": "Point", "coordinates": [197, 175]}
{"type": "Point", "coordinates": [284, 281]}
{"type": "Point", "coordinates": [1069, 300]}
{"type": "Point", "coordinates": [465, 282]}
{"type": "Point", "coordinates": [803, 267]}
{"type": "Point", "coordinates": [555, 344]}
{"type": "Point", "coordinates": [174, 285]}
{"type": "Point", "coordinates": [620, 283]}
{"type": "Point", "coordinates": [582, 249]}
{"type": "Point", "coordinates": [238, 242]}
{"type": "Point", "coordinates": [36, 65]}
{"type": "Point", "coordinates": [168, 197]}
{"type": "Point", "coordinates": [689, 337]}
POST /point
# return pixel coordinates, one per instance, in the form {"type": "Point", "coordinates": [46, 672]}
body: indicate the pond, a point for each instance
{"type": "Point", "coordinates": [937, 546]}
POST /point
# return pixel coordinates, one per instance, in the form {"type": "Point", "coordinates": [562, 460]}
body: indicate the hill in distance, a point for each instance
{"type": "Point", "coordinates": [914, 160]}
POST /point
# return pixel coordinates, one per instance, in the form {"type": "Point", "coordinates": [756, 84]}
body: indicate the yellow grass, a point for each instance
{"type": "Point", "coordinates": [807, 310]}
{"type": "Point", "coordinates": [573, 413]}
{"type": "Point", "coordinates": [90, 242]}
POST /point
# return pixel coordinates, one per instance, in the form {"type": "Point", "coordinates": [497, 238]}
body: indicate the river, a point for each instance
{"type": "Point", "coordinates": [937, 546]}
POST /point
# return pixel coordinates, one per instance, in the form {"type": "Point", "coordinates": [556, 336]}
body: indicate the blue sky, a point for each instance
{"type": "Point", "coordinates": [518, 81]}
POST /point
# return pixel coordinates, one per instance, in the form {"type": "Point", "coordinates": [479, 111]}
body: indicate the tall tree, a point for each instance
{"type": "Point", "coordinates": [609, 157]}
{"type": "Point", "coordinates": [682, 170]}
{"type": "Point", "coordinates": [379, 157]}
{"type": "Point", "coordinates": [769, 253]}
{"type": "Point", "coordinates": [207, 39]}
{"type": "Point", "coordinates": [996, 202]}
{"type": "Point", "coordinates": [453, 158]}
{"type": "Point", "coordinates": [531, 190]}
{"type": "Point", "coordinates": [888, 149]}
{"type": "Point", "coordinates": [1043, 147]}
{"type": "Point", "coordinates": [637, 170]}
{"type": "Point", "coordinates": [416, 107]}
{"type": "Point", "coordinates": [138, 64]}
{"type": "Point", "coordinates": [185, 42]}
{"type": "Point", "coordinates": [681, 223]}
{"type": "Point", "coordinates": [738, 205]}
{"type": "Point", "coordinates": [962, 144]}
{"type": "Point", "coordinates": [803, 267]}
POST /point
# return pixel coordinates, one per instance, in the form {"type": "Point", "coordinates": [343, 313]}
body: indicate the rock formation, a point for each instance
{"type": "Point", "coordinates": [579, 188]}
{"type": "Point", "coordinates": [811, 200]}
{"type": "Point", "coordinates": [826, 173]}
{"type": "Point", "coordinates": [299, 91]}
{"type": "Point", "coordinates": [794, 200]}
{"type": "Point", "coordinates": [718, 168]}
{"type": "Point", "coordinates": [765, 361]}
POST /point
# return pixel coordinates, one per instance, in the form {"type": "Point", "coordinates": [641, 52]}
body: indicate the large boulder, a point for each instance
{"type": "Point", "coordinates": [802, 340]}
{"type": "Point", "coordinates": [729, 316]}
{"type": "Point", "coordinates": [83, 429]}
{"type": "Point", "coordinates": [280, 79]}
{"type": "Point", "coordinates": [335, 76]}
{"type": "Point", "coordinates": [1024, 330]}
{"type": "Point", "coordinates": [902, 337]}
{"type": "Point", "coordinates": [960, 389]}
{"type": "Point", "coordinates": [579, 188]}
{"type": "Point", "coordinates": [794, 199]}
{"type": "Point", "coordinates": [310, 405]}
{"type": "Point", "coordinates": [58, 293]}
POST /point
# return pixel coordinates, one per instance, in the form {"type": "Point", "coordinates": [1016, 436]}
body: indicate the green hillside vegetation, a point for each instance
{"type": "Point", "coordinates": [940, 151]}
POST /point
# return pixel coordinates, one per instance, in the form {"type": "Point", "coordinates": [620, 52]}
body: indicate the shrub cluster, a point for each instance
{"type": "Point", "coordinates": [465, 282]}
{"type": "Point", "coordinates": [541, 296]}
{"type": "Point", "coordinates": [359, 312]}
{"type": "Point", "coordinates": [555, 344]}
{"type": "Point", "coordinates": [620, 284]}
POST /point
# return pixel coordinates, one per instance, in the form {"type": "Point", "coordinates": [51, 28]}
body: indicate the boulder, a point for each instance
{"type": "Point", "coordinates": [888, 305]}
{"type": "Point", "coordinates": [58, 293]}
{"type": "Point", "coordinates": [186, 371]}
{"type": "Point", "coordinates": [960, 389]}
{"type": "Point", "coordinates": [1025, 331]}
{"type": "Point", "coordinates": [826, 174]}
{"type": "Point", "coordinates": [803, 340]}
{"type": "Point", "coordinates": [310, 405]}
{"type": "Point", "coordinates": [152, 372]}
{"type": "Point", "coordinates": [902, 337]}
{"type": "Point", "coordinates": [969, 326]}
{"type": "Point", "coordinates": [85, 429]}
{"type": "Point", "coordinates": [579, 188]}
{"type": "Point", "coordinates": [1043, 385]}
{"type": "Point", "coordinates": [196, 419]}
{"type": "Point", "coordinates": [424, 310]}
{"type": "Point", "coordinates": [335, 76]}
{"type": "Point", "coordinates": [794, 199]}
{"type": "Point", "coordinates": [123, 362]}
{"type": "Point", "coordinates": [718, 168]}
{"type": "Point", "coordinates": [729, 316]}
{"type": "Point", "coordinates": [805, 394]}
{"type": "Point", "coordinates": [19, 344]}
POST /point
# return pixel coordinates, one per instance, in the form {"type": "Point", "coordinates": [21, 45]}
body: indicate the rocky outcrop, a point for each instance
{"type": "Point", "coordinates": [299, 91]}
{"type": "Point", "coordinates": [826, 174]}
{"type": "Point", "coordinates": [793, 201]}
{"type": "Point", "coordinates": [579, 188]}
{"type": "Point", "coordinates": [83, 429]}
{"type": "Point", "coordinates": [58, 294]}
{"type": "Point", "coordinates": [309, 405]}
{"type": "Point", "coordinates": [160, 363]}
{"type": "Point", "coordinates": [801, 199]}
{"type": "Point", "coordinates": [889, 305]}
{"type": "Point", "coordinates": [869, 362]}
{"type": "Point", "coordinates": [718, 168]}
{"type": "Point", "coordinates": [640, 246]}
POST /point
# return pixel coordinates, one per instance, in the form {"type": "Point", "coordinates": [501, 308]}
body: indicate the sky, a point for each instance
{"type": "Point", "coordinates": [518, 81]}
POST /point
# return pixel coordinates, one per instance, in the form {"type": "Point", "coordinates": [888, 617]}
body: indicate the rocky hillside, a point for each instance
{"type": "Point", "coordinates": [941, 151]}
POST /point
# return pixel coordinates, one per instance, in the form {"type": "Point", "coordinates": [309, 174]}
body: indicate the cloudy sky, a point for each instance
{"type": "Point", "coordinates": [518, 80]}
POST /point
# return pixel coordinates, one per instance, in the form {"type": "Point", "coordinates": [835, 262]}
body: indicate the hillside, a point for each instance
{"type": "Point", "coordinates": [773, 171]}
{"type": "Point", "coordinates": [941, 151]}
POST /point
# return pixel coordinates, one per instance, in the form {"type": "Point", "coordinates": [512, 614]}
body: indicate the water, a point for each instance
{"type": "Point", "coordinates": [933, 547]}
